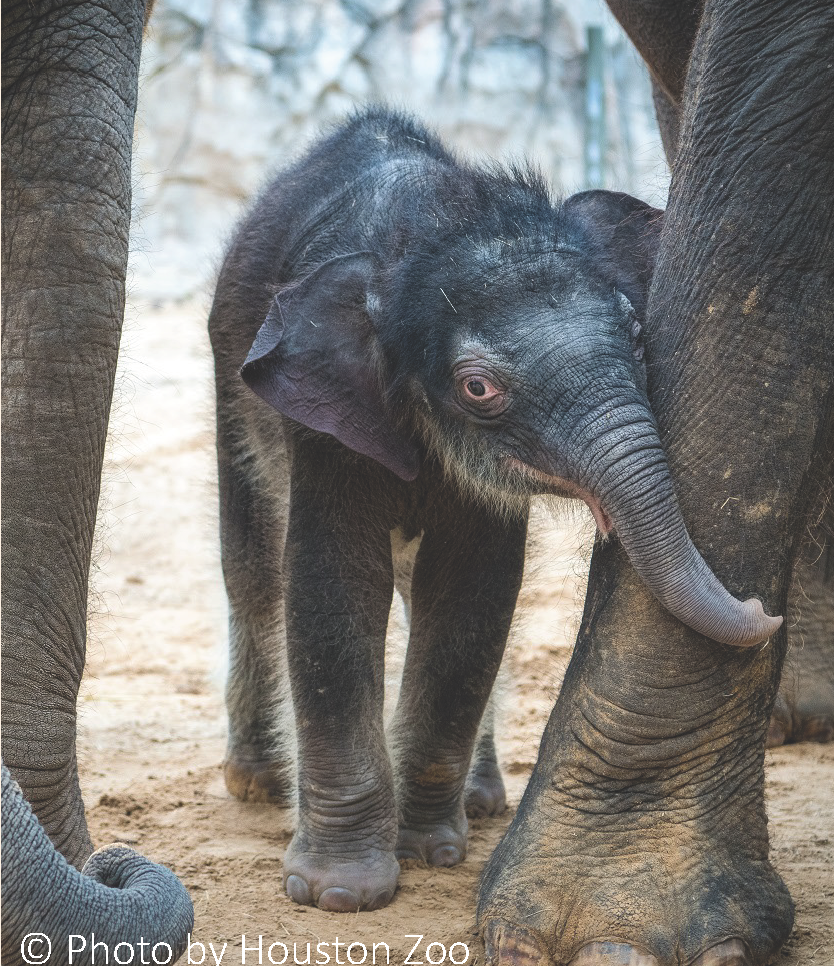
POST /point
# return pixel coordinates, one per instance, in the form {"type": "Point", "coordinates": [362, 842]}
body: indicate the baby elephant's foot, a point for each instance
{"type": "Point", "coordinates": [349, 882]}
{"type": "Point", "coordinates": [341, 857]}
{"type": "Point", "coordinates": [435, 843]}
{"type": "Point", "coordinates": [791, 723]}
{"type": "Point", "coordinates": [433, 824]}
{"type": "Point", "coordinates": [804, 709]}
{"type": "Point", "coordinates": [805, 706]}
{"type": "Point", "coordinates": [485, 794]}
{"type": "Point", "coordinates": [256, 775]}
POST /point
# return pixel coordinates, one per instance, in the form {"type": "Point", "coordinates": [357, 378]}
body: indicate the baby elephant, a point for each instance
{"type": "Point", "coordinates": [440, 342]}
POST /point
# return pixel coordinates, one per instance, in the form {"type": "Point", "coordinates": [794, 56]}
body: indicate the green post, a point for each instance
{"type": "Point", "coordinates": [595, 110]}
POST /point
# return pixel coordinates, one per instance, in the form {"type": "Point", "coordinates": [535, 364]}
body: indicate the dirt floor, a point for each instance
{"type": "Point", "coordinates": [152, 725]}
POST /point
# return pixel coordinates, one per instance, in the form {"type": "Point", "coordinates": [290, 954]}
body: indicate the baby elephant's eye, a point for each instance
{"type": "Point", "coordinates": [480, 393]}
{"type": "Point", "coordinates": [480, 390]}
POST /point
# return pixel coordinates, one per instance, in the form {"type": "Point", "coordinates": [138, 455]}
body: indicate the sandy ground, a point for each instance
{"type": "Point", "coordinates": [152, 725]}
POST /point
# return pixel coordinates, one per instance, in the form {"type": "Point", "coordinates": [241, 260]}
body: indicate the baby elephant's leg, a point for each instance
{"type": "Point", "coordinates": [338, 595]}
{"type": "Point", "coordinates": [804, 709]}
{"type": "Point", "coordinates": [252, 524]}
{"type": "Point", "coordinates": [466, 580]}
{"type": "Point", "coordinates": [485, 792]}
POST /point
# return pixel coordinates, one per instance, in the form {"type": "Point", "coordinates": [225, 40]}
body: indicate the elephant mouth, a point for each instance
{"type": "Point", "coordinates": [558, 486]}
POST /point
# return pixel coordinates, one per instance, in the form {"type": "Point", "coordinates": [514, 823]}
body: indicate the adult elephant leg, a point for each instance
{"type": "Point", "coordinates": [805, 705]}
{"type": "Point", "coordinates": [69, 96]}
{"type": "Point", "coordinates": [642, 835]}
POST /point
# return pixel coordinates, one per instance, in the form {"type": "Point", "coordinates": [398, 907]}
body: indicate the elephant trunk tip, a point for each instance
{"type": "Point", "coordinates": [159, 898]}
{"type": "Point", "coordinates": [752, 625]}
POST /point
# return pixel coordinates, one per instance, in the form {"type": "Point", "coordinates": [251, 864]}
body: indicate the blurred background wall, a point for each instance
{"type": "Point", "coordinates": [232, 89]}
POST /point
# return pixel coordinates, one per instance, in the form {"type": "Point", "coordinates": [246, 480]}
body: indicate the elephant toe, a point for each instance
{"type": "Point", "coordinates": [506, 944]}
{"type": "Point", "coordinates": [612, 954]}
{"type": "Point", "coordinates": [257, 780]}
{"type": "Point", "coordinates": [340, 885]}
{"type": "Point", "coordinates": [731, 952]}
{"type": "Point", "coordinates": [440, 844]}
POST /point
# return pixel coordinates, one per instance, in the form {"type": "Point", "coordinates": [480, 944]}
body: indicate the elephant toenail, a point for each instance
{"type": "Point", "coordinates": [446, 856]}
{"type": "Point", "coordinates": [380, 900]}
{"type": "Point", "coordinates": [298, 890]}
{"type": "Point", "coordinates": [337, 899]}
{"type": "Point", "coordinates": [508, 945]}
{"type": "Point", "coordinates": [612, 954]}
{"type": "Point", "coordinates": [732, 952]}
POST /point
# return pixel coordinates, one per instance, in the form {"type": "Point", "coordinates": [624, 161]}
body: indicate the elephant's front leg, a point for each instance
{"type": "Point", "coordinates": [641, 838]}
{"type": "Point", "coordinates": [466, 580]}
{"type": "Point", "coordinates": [340, 583]}
{"type": "Point", "coordinates": [70, 75]}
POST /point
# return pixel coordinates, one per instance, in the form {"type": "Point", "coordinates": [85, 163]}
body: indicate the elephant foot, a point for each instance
{"type": "Point", "coordinates": [485, 793]}
{"type": "Point", "coordinates": [356, 880]}
{"type": "Point", "coordinates": [521, 947]}
{"type": "Point", "coordinates": [589, 887]}
{"type": "Point", "coordinates": [804, 709]}
{"type": "Point", "coordinates": [807, 717]}
{"type": "Point", "coordinates": [433, 825]}
{"type": "Point", "coordinates": [252, 776]}
{"type": "Point", "coordinates": [440, 844]}
{"type": "Point", "coordinates": [341, 857]}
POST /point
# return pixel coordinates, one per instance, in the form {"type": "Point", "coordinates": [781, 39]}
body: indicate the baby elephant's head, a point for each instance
{"type": "Point", "coordinates": [508, 342]}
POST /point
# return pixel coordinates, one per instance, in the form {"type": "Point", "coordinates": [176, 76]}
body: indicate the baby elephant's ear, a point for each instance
{"type": "Point", "coordinates": [623, 234]}
{"type": "Point", "coordinates": [316, 360]}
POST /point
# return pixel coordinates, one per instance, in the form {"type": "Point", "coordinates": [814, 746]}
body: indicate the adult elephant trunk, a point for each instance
{"type": "Point", "coordinates": [49, 906]}
{"type": "Point", "coordinates": [70, 82]}
{"type": "Point", "coordinates": [627, 472]}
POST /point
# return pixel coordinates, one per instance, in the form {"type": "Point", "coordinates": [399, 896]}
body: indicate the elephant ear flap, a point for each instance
{"type": "Point", "coordinates": [622, 234]}
{"type": "Point", "coordinates": [316, 360]}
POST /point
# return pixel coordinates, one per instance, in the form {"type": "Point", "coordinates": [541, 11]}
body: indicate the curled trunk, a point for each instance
{"type": "Point", "coordinates": [121, 897]}
{"type": "Point", "coordinates": [633, 484]}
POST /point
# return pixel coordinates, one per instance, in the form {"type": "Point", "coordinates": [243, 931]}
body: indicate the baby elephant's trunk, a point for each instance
{"type": "Point", "coordinates": [633, 485]}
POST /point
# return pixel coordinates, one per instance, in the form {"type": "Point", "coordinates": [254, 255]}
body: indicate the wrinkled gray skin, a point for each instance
{"type": "Point", "coordinates": [120, 896]}
{"type": "Point", "coordinates": [642, 836]}
{"type": "Point", "coordinates": [69, 96]}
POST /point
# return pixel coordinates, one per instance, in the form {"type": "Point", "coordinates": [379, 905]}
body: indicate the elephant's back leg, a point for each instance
{"type": "Point", "coordinates": [485, 793]}
{"type": "Point", "coordinates": [254, 496]}
{"type": "Point", "coordinates": [805, 707]}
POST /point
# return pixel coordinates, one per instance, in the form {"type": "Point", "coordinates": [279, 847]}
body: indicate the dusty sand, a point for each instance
{"type": "Point", "coordinates": [152, 725]}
